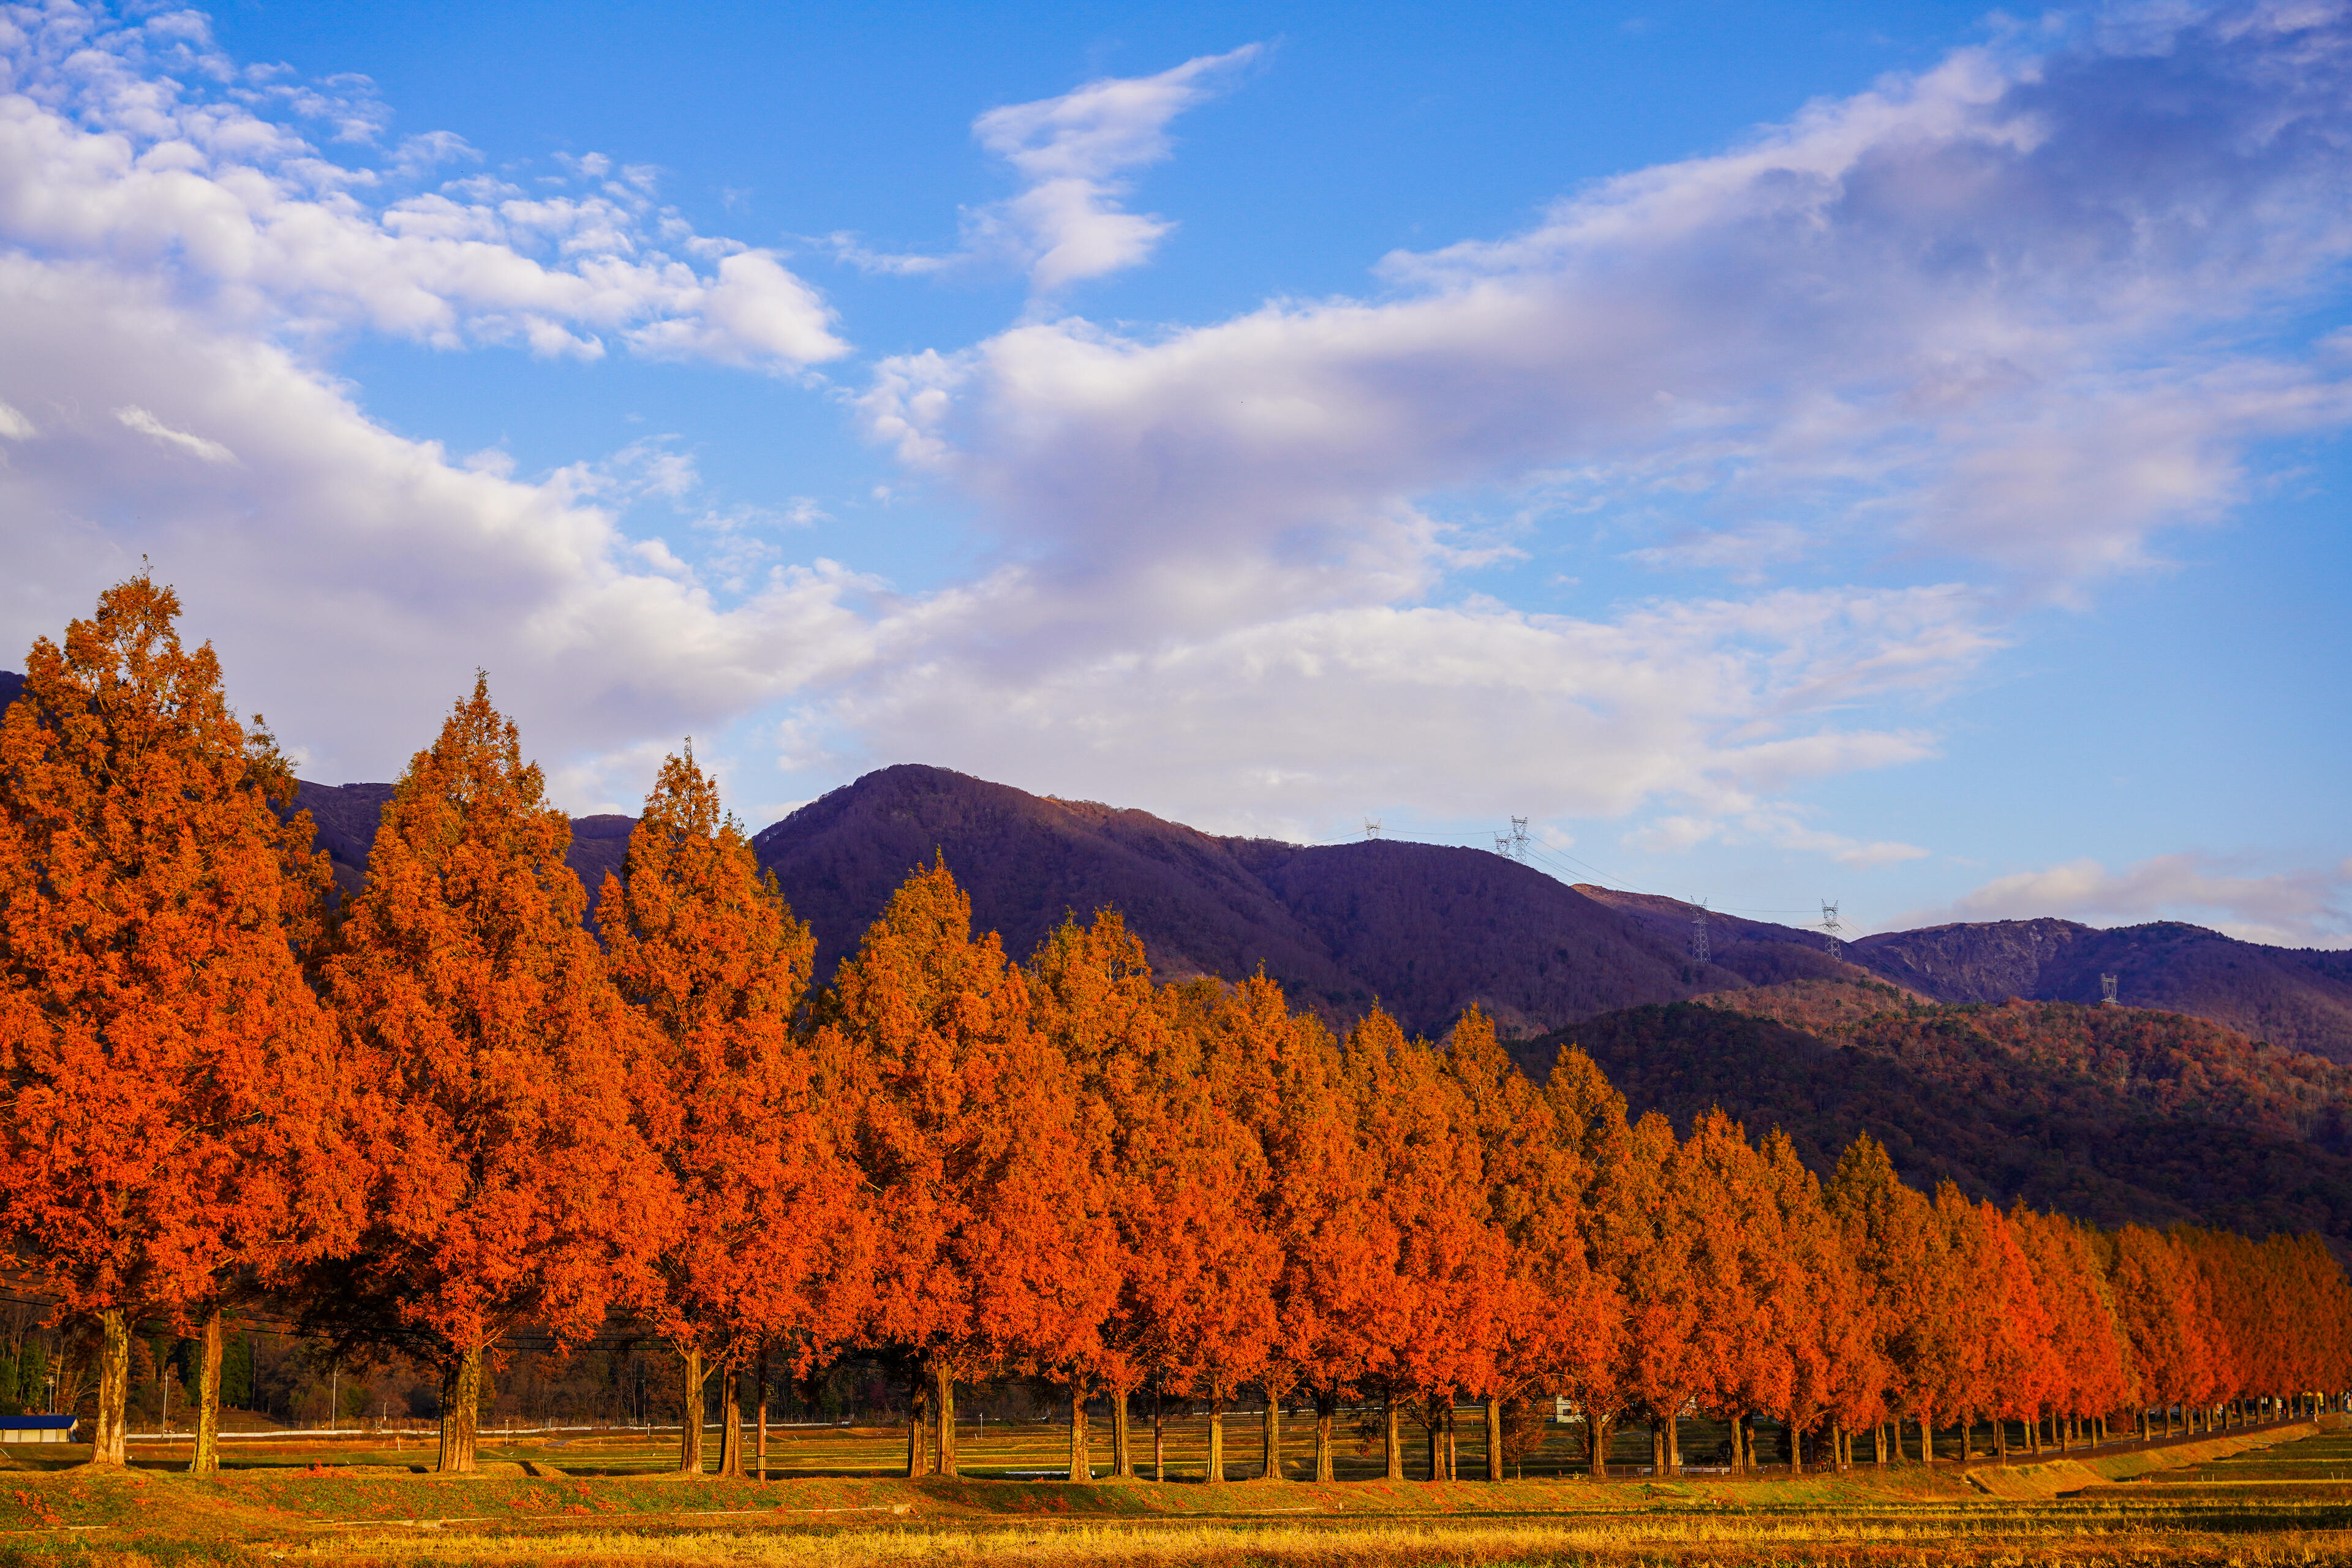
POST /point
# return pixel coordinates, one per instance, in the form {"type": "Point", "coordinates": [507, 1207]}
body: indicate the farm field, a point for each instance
{"type": "Point", "coordinates": [2283, 1495]}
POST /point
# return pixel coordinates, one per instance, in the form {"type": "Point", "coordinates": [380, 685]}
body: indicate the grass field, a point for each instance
{"type": "Point", "coordinates": [605, 1498]}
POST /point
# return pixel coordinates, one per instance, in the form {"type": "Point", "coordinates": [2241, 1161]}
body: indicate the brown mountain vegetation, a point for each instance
{"type": "Point", "coordinates": [2114, 1114]}
{"type": "Point", "coordinates": [2297, 997]}
{"type": "Point", "coordinates": [1425, 929]}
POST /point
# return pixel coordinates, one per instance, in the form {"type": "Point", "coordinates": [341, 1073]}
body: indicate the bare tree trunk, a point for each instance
{"type": "Point", "coordinates": [1674, 1443]}
{"type": "Point", "coordinates": [1327, 1407]}
{"type": "Point", "coordinates": [461, 1413]}
{"type": "Point", "coordinates": [1494, 1437]}
{"type": "Point", "coordinates": [692, 1374]}
{"type": "Point", "coordinates": [1657, 1448]}
{"type": "Point", "coordinates": [1216, 1470]}
{"type": "Point", "coordinates": [111, 1430]}
{"type": "Point", "coordinates": [760, 1455]}
{"type": "Point", "coordinates": [943, 1413]}
{"type": "Point", "coordinates": [1436, 1449]}
{"type": "Point", "coordinates": [1082, 1459]}
{"type": "Point", "coordinates": [1738, 1449]}
{"type": "Point", "coordinates": [1597, 1429]}
{"type": "Point", "coordinates": [205, 1459]}
{"type": "Point", "coordinates": [1392, 1438]}
{"type": "Point", "coordinates": [1122, 1437]}
{"type": "Point", "coordinates": [917, 1408]}
{"type": "Point", "coordinates": [1273, 1470]}
{"type": "Point", "coordinates": [731, 1422]}
{"type": "Point", "coordinates": [1159, 1438]}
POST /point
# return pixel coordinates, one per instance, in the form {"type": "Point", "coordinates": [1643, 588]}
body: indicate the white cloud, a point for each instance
{"type": "Point", "coordinates": [1072, 153]}
{"type": "Point", "coordinates": [353, 579]}
{"type": "Point", "coordinates": [1775, 825]}
{"type": "Point", "coordinates": [2018, 310]}
{"type": "Point", "coordinates": [2307, 908]}
{"type": "Point", "coordinates": [15, 425]}
{"type": "Point", "coordinates": [1969, 318]}
{"type": "Point", "coordinates": [105, 159]}
{"type": "Point", "coordinates": [1292, 724]}
{"type": "Point", "coordinates": [137, 418]}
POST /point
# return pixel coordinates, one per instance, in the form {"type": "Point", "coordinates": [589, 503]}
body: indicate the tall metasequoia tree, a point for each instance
{"type": "Point", "coordinates": [1742, 1345]}
{"type": "Point", "coordinates": [1661, 1365]}
{"type": "Point", "coordinates": [501, 1076]}
{"type": "Point", "coordinates": [1439, 1330]}
{"type": "Point", "coordinates": [1183, 1173]}
{"type": "Point", "coordinates": [2021, 1363]}
{"type": "Point", "coordinates": [1891, 1234]}
{"type": "Point", "coordinates": [173, 1131]}
{"type": "Point", "coordinates": [1613, 1225]}
{"type": "Point", "coordinates": [1320, 1202]}
{"type": "Point", "coordinates": [769, 1249]}
{"type": "Point", "coordinates": [2086, 1347]}
{"type": "Point", "coordinates": [1835, 1363]}
{"type": "Point", "coordinates": [1552, 1325]}
{"type": "Point", "coordinates": [978, 1147]}
{"type": "Point", "coordinates": [2155, 1304]}
{"type": "Point", "coordinates": [1205, 1270]}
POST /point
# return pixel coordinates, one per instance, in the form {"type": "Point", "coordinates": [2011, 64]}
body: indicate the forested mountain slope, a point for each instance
{"type": "Point", "coordinates": [2112, 1114]}
{"type": "Point", "coordinates": [2296, 997]}
{"type": "Point", "coordinates": [1424, 929]}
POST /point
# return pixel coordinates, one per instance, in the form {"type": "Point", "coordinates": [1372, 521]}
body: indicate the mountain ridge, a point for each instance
{"type": "Point", "coordinates": [1424, 930]}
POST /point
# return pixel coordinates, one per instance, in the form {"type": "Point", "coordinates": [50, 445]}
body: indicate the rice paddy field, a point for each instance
{"type": "Point", "coordinates": [2282, 1496]}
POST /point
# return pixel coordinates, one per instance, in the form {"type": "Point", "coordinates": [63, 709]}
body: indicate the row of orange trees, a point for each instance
{"type": "Point", "coordinates": [443, 1110]}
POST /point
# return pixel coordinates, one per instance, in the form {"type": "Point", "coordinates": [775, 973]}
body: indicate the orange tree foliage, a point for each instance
{"type": "Point", "coordinates": [1067, 1170]}
{"type": "Point", "coordinates": [1552, 1327]}
{"type": "Point", "coordinates": [768, 1247]}
{"type": "Point", "coordinates": [1335, 1246]}
{"type": "Point", "coordinates": [500, 1078]}
{"type": "Point", "coordinates": [1445, 1307]}
{"type": "Point", "coordinates": [173, 1135]}
{"type": "Point", "coordinates": [977, 1148]}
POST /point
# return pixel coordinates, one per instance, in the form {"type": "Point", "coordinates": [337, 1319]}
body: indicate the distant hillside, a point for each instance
{"type": "Point", "coordinates": [2300, 998]}
{"type": "Point", "coordinates": [1761, 953]}
{"type": "Point", "coordinates": [346, 817]}
{"type": "Point", "coordinates": [1425, 929]}
{"type": "Point", "coordinates": [2111, 1113]}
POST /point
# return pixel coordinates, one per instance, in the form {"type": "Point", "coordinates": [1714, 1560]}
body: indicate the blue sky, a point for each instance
{"type": "Point", "coordinates": [1886, 453]}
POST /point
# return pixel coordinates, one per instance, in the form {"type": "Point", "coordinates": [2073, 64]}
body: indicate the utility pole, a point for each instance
{"type": "Point", "coordinates": [1371, 827]}
{"type": "Point", "coordinates": [1698, 932]}
{"type": "Point", "coordinates": [1832, 933]}
{"type": "Point", "coordinates": [2107, 991]}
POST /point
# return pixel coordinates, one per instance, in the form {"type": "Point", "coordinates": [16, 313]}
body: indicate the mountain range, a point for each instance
{"type": "Point", "coordinates": [1978, 1053]}
{"type": "Point", "coordinates": [1424, 929]}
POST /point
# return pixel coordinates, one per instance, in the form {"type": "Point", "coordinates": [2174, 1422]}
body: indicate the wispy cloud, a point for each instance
{"type": "Point", "coordinates": [1072, 153]}
{"type": "Point", "coordinates": [137, 418]}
